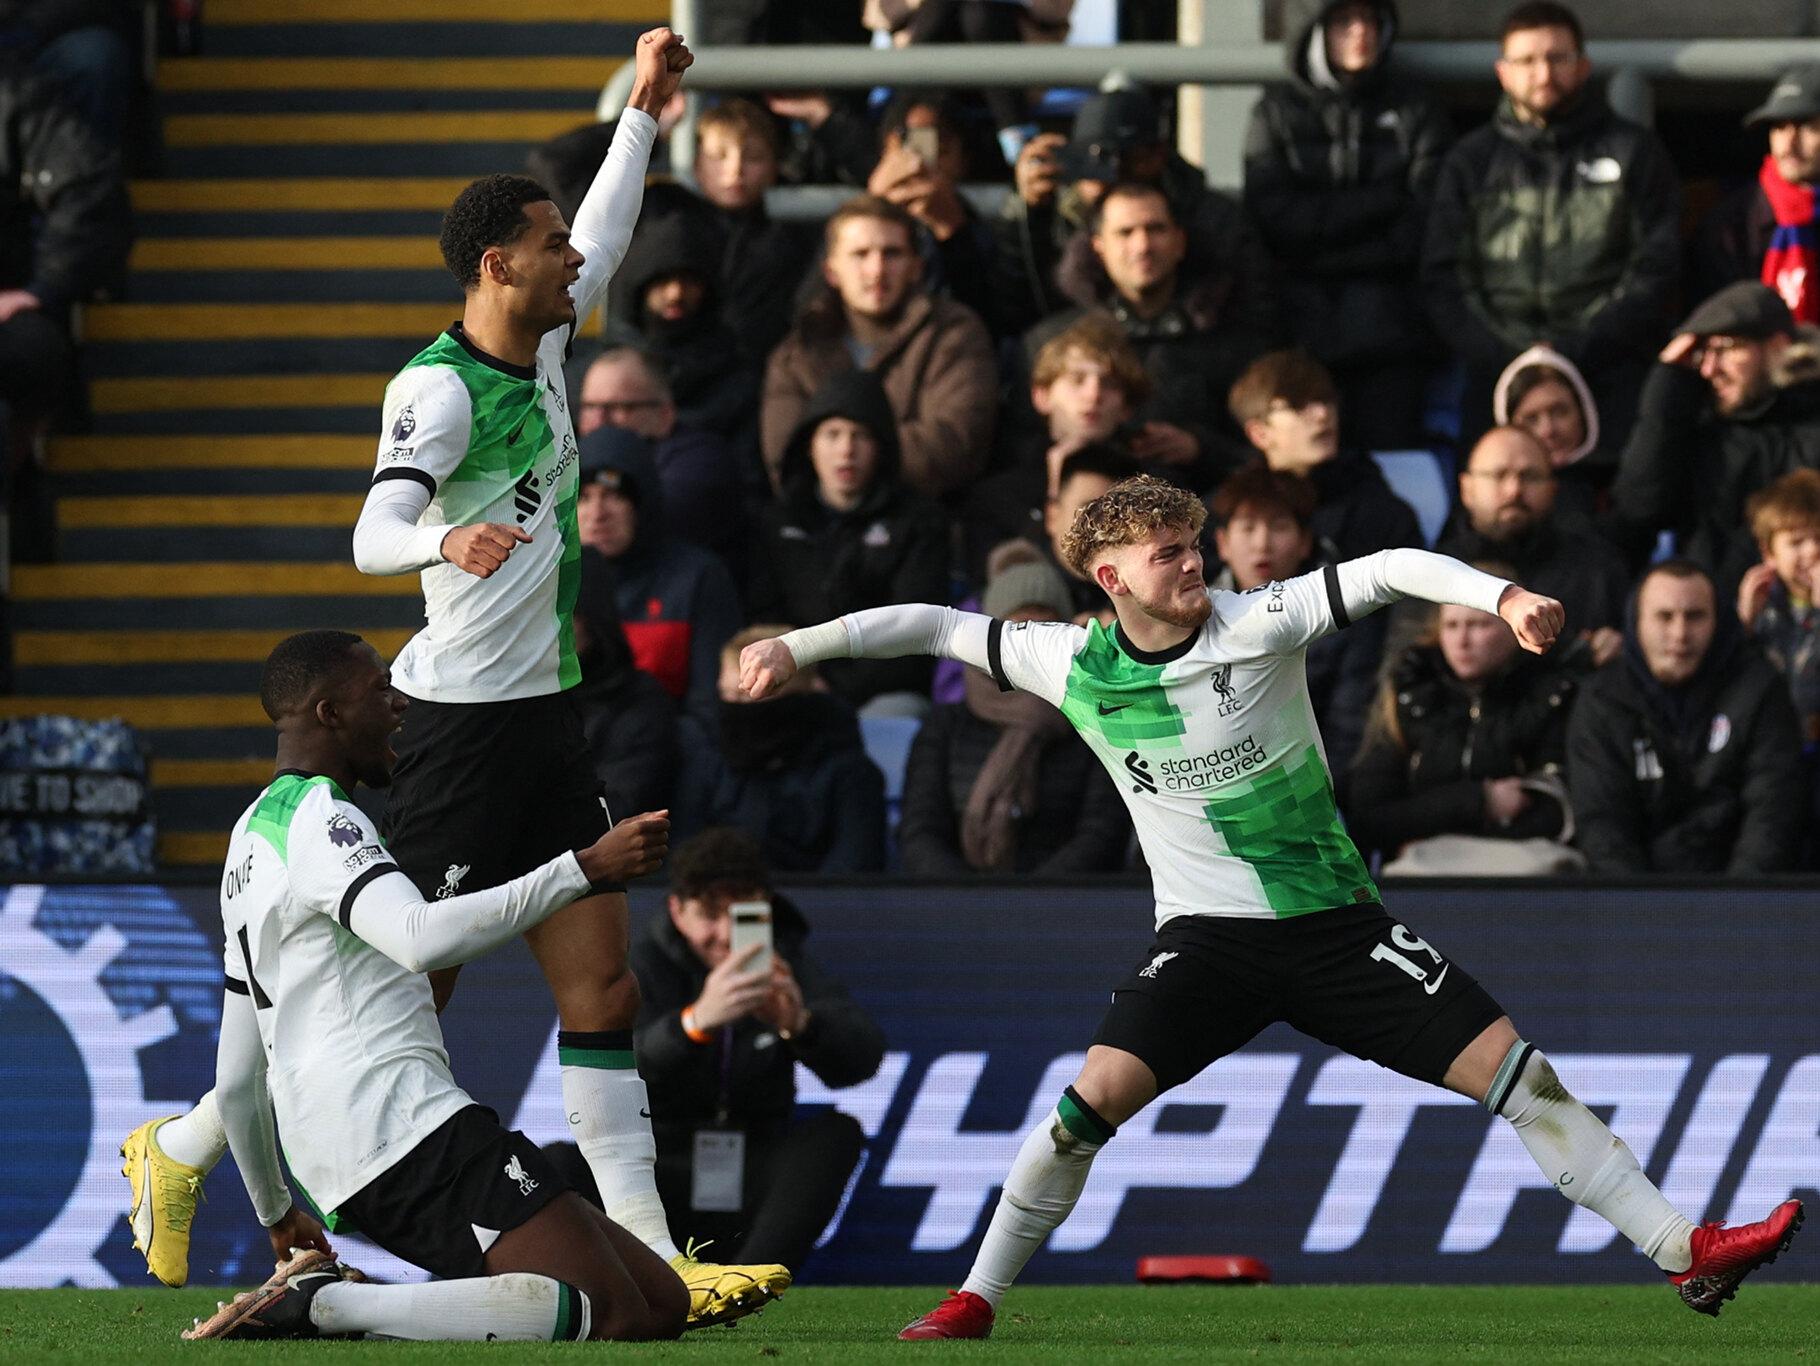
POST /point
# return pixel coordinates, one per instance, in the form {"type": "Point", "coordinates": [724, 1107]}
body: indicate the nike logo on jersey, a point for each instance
{"type": "Point", "coordinates": [517, 432]}
{"type": "Point", "coordinates": [1109, 711]}
{"type": "Point", "coordinates": [644, 1114]}
{"type": "Point", "coordinates": [1432, 987]}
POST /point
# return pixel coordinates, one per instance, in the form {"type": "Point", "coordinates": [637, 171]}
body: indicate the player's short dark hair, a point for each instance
{"type": "Point", "coordinates": [719, 859]}
{"type": "Point", "coordinates": [1264, 491]}
{"type": "Point", "coordinates": [301, 664]}
{"type": "Point", "coordinates": [1543, 14]}
{"type": "Point", "coordinates": [489, 213]}
{"type": "Point", "coordinates": [1096, 457]}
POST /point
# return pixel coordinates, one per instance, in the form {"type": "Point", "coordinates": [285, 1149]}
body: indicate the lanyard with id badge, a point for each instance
{"type": "Point", "coordinates": [718, 1184]}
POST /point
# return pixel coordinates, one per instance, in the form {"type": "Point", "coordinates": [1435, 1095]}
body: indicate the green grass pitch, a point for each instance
{"type": "Point", "coordinates": [1633, 1324]}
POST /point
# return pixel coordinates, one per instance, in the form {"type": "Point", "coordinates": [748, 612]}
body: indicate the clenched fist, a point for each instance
{"type": "Point", "coordinates": [1536, 620]}
{"type": "Point", "coordinates": [632, 848]}
{"type": "Point", "coordinates": [482, 548]}
{"type": "Point", "coordinates": [764, 667]}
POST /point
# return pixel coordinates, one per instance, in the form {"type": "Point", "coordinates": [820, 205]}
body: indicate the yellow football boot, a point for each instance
{"type": "Point", "coordinates": [720, 1294]}
{"type": "Point", "coordinates": [164, 1202]}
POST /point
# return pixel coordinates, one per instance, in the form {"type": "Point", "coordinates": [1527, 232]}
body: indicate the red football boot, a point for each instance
{"type": "Point", "coordinates": [962, 1315]}
{"type": "Point", "coordinates": [1725, 1256]}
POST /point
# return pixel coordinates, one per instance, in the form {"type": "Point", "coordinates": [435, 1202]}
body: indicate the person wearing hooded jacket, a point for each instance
{"type": "Point", "coordinates": [668, 292]}
{"type": "Point", "coordinates": [1340, 162]}
{"type": "Point", "coordinates": [1557, 221]}
{"type": "Point", "coordinates": [718, 1047]}
{"type": "Point", "coordinates": [1543, 392]}
{"type": "Point", "coordinates": [628, 720]}
{"type": "Point", "coordinates": [677, 602]}
{"type": "Point", "coordinates": [845, 533]}
{"type": "Point", "coordinates": [1684, 754]}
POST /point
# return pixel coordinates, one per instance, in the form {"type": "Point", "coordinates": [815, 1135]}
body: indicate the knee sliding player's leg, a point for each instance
{"type": "Point", "coordinates": [1583, 1158]}
{"type": "Point", "coordinates": [609, 1113]}
{"type": "Point", "coordinates": [518, 1306]}
{"type": "Point", "coordinates": [1040, 1192]}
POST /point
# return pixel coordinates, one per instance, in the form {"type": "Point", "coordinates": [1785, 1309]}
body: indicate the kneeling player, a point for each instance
{"type": "Point", "coordinates": [328, 1007]}
{"type": "Point", "coordinates": [1196, 702]}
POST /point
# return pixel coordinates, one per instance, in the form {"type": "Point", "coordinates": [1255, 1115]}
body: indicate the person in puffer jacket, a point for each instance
{"type": "Point", "coordinates": [1340, 163]}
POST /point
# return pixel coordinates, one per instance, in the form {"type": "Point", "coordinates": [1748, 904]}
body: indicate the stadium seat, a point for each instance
{"type": "Point", "coordinates": [1420, 479]}
{"type": "Point", "coordinates": [887, 740]}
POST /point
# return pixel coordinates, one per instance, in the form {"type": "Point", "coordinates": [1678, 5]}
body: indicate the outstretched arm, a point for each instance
{"type": "Point", "coordinates": [1392, 575]}
{"type": "Point", "coordinates": [916, 628]}
{"type": "Point", "coordinates": [603, 223]}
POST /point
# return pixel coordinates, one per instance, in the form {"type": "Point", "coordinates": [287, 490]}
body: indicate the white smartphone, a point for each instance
{"type": "Point", "coordinates": [752, 925]}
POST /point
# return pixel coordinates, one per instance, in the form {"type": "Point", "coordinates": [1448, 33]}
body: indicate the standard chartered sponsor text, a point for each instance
{"type": "Point", "coordinates": [1216, 766]}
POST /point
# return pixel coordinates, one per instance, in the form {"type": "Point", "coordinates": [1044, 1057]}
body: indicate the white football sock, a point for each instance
{"type": "Point", "coordinates": [609, 1113]}
{"type": "Point", "coordinates": [516, 1307]}
{"type": "Point", "coordinates": [1040, 1191]}
{"type": "Point", "coordinates": [196, 1139]}
{"type": "Point", "coordinates": [1585, 1160]}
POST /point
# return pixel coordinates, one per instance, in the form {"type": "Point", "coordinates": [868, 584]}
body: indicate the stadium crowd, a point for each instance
{"type": "Point", "coordinates": [909, 405]}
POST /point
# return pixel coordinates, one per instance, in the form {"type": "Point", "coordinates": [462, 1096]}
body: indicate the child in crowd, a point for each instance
{"type": "Point", "coordinates": [1776, 598]}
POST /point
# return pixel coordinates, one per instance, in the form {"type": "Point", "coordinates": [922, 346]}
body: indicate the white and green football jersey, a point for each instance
{"type": "Point", "coordinates": [355, 1061]}
{"type": "Point", "coordinates": [1214, 746]}
{"type": "Point", "coordinates": [494, 442]}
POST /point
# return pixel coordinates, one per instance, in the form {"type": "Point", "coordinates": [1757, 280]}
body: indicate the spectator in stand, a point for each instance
{"type": "Point", "coordinates": [1733, 405]}
{"type": "Point", "coordinates": [1467, 738]}
{"type": "Point", "coordinates": [698, 478]}
{"type": "Point", "coordinates": [1086, 387]}
{"type": "Point", "coordinates": [1263, 531]}
{"type": "Point", "coordinates": [923, 160]}
{"type": "Point", "coordinates": [1340, 163]}
{"type": "Point", "coordinates": [1117, 138]}
{"type": "Point", "coordinates": [1557, 222]}
{"type": "Point", "coordinates": [675, 599]}
{"type": "Point", "coordinates": [718, 1044]}
{"type": "Point", "coordinates": [1000, 783]}
{"type": "Point", "coordinates": [1777, 597]}
{"type": "Point", "coordinates": [1544, 393]}
{"type": "Point", "coordinates": [81, 49]}
{"type": "Point", "coordinates": [791, 770]}
{"type": "Point", "coordinates": [1767, 230]}
{"type": "Point", "coordinates": [976, 21]}
{"type": "Point", "coordinates": [1684, 755]}
{"type": "Point", "coordinates": [1289, 410]}
{"type": "Point", "coordinates": [762, 261]}
{"type": "Point", "coordinates": [628, 719]}
{"type": "Point", "coordinates": [932, 355]}
{"type": "Point", "coordinates": [668, 295]}
{"type": "Point", "coordinates": [1177, 317]}
{"type": "Point", "coordinates": [845, 534]}
{"type": "Point", "coordinates": [1507, 513]}
{"type": "Point", "coordinates": [66, 233]}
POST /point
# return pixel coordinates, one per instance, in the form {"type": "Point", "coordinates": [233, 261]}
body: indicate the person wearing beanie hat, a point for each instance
{"type": "Point", "coordinates": [999, 782]}
{"type": "Point", "coordinates": [846, 534]}
{"type": "Point", "coordinates": [1769, 228]}
{"type": "Point", "coordinates": [676, 601]}
{"type": "Point", "coordinates": [1732, 405]}
{"type": "Point", "coordinates": [1340, 161]}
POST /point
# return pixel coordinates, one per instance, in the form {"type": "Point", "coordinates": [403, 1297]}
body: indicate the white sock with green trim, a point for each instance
{"type": "Point", "coordinates": [1585, 1160]}
{"type": "Point", "coordinates": [1040, 1191]}
{"type": "Point", "coordinates": [609, 1113]}
{"type": "Point", "coordinates": [516, 1307]}
{"type": "Point", "coordinates": [196, 1139]}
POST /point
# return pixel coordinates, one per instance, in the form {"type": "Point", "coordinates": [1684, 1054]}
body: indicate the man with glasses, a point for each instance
{"type": "Point", "coordinates": [1557, 222]}
{"type": "Point", "coordinates": [1507, 515]}
{"type": "Point", "coordinates": [1732, 405]}
{"type": "Point", "coordinates": [695, 469]}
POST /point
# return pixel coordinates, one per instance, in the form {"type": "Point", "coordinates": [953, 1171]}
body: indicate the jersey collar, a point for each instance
{"type": "Point", "coordinates": [1169, 656]}
{"type": "Point", "coordinates": [505, 367]}
{"type": "Point", "coordinates": [305, 773]}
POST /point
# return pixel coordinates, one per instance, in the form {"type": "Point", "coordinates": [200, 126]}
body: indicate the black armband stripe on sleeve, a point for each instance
{"type": "Point", "coordinates": [1336, 602]}
{"type": "Point", "coordinates": [994, 661]}
{"type": "Point", "coordinates": [405, 472]}
{"type": "Point", "coordinates": [235, 985]}
{"type": "Point", "coordinates": [356, 887]}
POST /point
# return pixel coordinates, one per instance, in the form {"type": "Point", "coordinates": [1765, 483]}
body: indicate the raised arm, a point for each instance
{"type": "Point", "coordinates": [1392, 575]}
{"type": "Point", "coordinates": [915, 628]}
{"type": "Point", "coordinates": [603, 223]}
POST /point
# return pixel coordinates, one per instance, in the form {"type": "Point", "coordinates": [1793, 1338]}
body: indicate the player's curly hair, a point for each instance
{"type": "Point", "coordinates": [489, 213]}
{"type": "Point", "coordinates": [299, 665]}
{"type": "Point", "coordinates": [1128, 512]}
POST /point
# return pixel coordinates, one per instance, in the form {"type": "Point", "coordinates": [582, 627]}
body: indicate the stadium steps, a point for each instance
{"type": "Point", "coordinates": [284, 271]}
